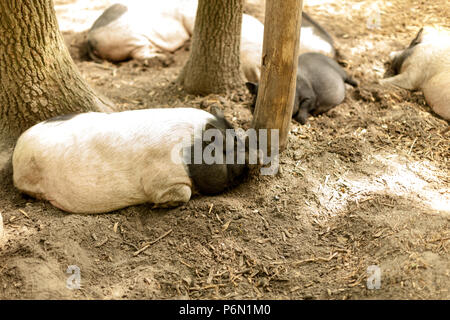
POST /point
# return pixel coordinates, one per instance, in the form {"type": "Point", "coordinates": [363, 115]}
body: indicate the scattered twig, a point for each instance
{"type": "Point", "coordinates": [131, 245]}
{"type": "Point", "coordinates": [150, 243]}
{"type": "Point", "coordinates": [141, 250]}
{"type": "Point", "coordinates": [298, 262]}
{"type": "Point", "coordinates": [412, 145]}
{"type": "Point", "coordinates": [440, 239]}
{"type": "Point", "coordinates": [211, 286]}
{"type": "Point", "coordinates": [24, 213]}
{"type": "Point", "coordinates": [186, 264]}
{"type": "Point", "coordinates": [357, 281]}
{"type": "Point", "coordinates": [12, 219]}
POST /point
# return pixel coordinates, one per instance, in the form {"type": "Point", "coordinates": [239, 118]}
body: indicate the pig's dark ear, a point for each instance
{"type": "Point", "coordinates": [417, 39]}
{"type": "Point", "coordinates": [209, 126]}
{"type": "Point", "coordinates": [252, 87]}
{"type": "Point", "coordinates": [217, 112]}
{"type": "Point", "coordinates": [221, 122]}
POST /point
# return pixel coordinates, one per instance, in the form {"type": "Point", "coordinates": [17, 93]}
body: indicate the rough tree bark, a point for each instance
{"type": "Point", "coordinates": [214, 65]}
{"type": "Point", "coordinates": [2, 233]}
{"type": "Point", "coordinates": [38, 78]}
{"type": "Point", "coordinates": [276, 93]}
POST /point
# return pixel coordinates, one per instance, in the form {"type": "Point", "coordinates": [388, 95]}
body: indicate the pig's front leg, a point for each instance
{"type": "Point", "coordinates": [303, 114]}
{"type": "Point", "coordinates": [169, 195]}
{"type": "Point", "coordinates": [174, 196]}
{"type": "Point", "coordinates": [146, 54]}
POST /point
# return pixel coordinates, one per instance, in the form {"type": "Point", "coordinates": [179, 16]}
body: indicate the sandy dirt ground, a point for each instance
{"type": "Point", "coordinates": [366, 184]}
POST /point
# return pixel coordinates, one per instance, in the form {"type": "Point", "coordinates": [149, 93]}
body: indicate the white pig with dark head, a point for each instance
{"type": "Point", "coordinates": [98, 162]}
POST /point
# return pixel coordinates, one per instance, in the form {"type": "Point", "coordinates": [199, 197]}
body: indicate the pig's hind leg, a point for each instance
{"type": "Point", "coordinates": [404, 80]}
{"type": "Point", "coordinates": [437, 94]}
{"type": "Point", "coordinates": [58, 205]}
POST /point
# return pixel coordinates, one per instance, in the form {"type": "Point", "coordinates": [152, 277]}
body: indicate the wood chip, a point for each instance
{"type": "Point", "coordinates": [102, 242]}
{"type": "Point", "coordinates": [295, 289]}
{"type": "Point", "coordinates": [226, 225]}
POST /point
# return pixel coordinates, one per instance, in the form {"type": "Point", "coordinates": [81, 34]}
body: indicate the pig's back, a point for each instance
{"type": "Point", "coordinates": [325, 77]}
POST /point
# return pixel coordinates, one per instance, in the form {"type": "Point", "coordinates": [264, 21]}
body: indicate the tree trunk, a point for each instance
{"type": "Point", "coordinates": [38, 78]}
{"type": "Point", "coordinates": [214, 65]}
{"type": "Point", "coordinates": [2, 233]}
{"type": "Point", "coordinates": [276, 93]}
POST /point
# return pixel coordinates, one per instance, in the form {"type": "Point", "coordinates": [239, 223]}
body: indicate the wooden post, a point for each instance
{"type": "Point", "coordinates": [276, 91]}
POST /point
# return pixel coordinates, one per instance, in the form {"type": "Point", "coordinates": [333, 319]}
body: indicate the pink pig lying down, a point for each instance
{"type": "Point", "coordinates": [147, 30]}
{"type": "Point", "coordinates": [150, 29]}
{"type": "Point", "coordinates": [98, 162]}
{"type": "Point", "coordinates": [425, 65]}
{"type": "Point", "coordinates": [142, 29]}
